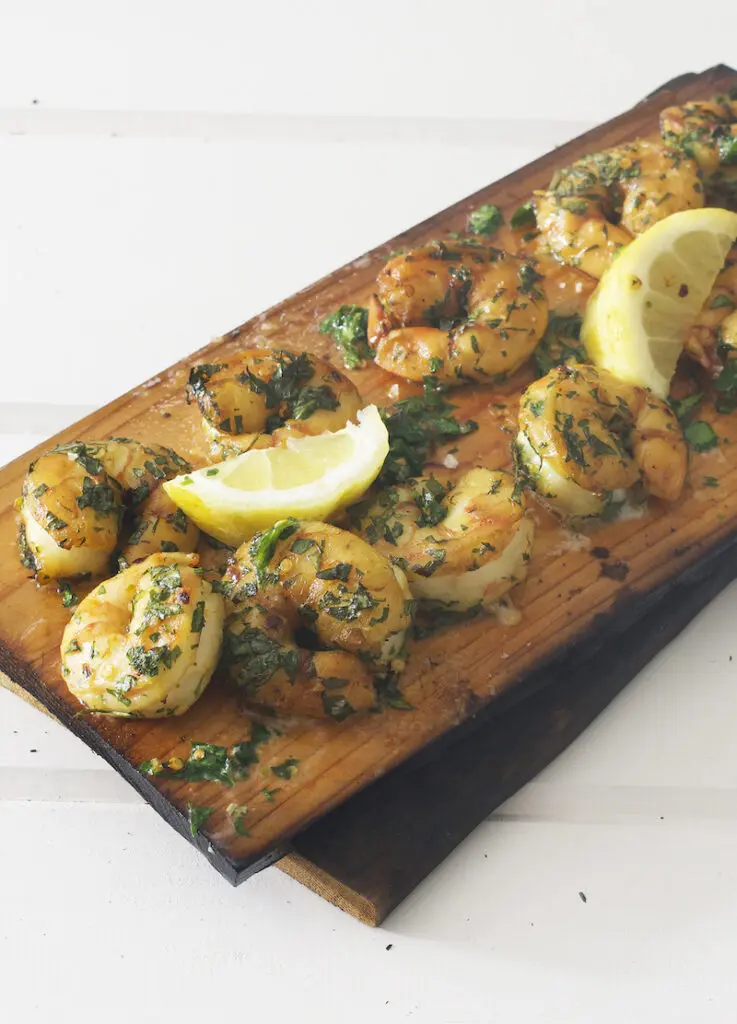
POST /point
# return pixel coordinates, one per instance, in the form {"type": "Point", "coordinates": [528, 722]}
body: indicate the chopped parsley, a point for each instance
{"type": "Point", "coordinates": [429, 500]}
{"type": "Point", "coordinates": [560, 344]}
{"type": "Point", "coordinates": [147, 663]}
{"type": "Point", "coordinates": [416, 425]}
{"type": "Point", "coordinates": [726, 387]}
{"type": "Point", "coordinates": [337, 706]}
{"type": "Point", "coordinates": [286, 769]}
{"type": "Point", "coordinates": [700, 436]}
{"type": "Point", "coordinates": [68, 597]}
{"type": "Point", "coordinates": [254, 657]}
{"type": "Point", "coordinates": [237, 814]}
{"type": "Point", "coordinates": [198, 617]}
{"type": "Point", "coordinates": [486, 220]}
{"type": "Point", "coordinates": [100, 497]}
{"type": "Point", "coordinates": [348, 328]}
{"type": "Point", "coordinates": [523, 217]}
{"type": "Point", "coordinates": [208, 762]}
{"type": "Point", "coordinates": [346, 606]}
{"type": "Point", "coordinates": [263, 546]}
{"type": "Point", "coordinates": [197, 817]}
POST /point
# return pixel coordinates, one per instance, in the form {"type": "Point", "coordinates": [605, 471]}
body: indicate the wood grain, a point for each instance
{"type": "Point", "coordinates": [569, 598]}
{"type": "Point", "coordinates": [368, 854]}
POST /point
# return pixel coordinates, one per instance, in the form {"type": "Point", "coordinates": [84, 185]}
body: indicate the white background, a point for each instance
{"type": "Point", "coordinates": [166, 171]}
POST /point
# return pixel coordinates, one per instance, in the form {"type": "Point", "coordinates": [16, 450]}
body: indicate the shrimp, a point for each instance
{"type": "Point", "coordinates": [456, 312]}
{"type": "Point", "coordinates": [263, 397]}
{"type": "Point", "coordinates": [584, 435]}
{"type": "Point", "coordinates": [714, 333]}
{"type": "Point", "coordinates": [596, 206]}
{"type": "Point", "coordinates": [707, 133]}
{"type": "Point", "coordinates": [159, 526]}
{"type": "Point", "coordinates": [304, 579]}
{"type": "Point", "coordinates": [145, 643]}
{"type": "Point", "coordinates": [462, 536]}
{"type": "Point", "coordinates": [74, 499]}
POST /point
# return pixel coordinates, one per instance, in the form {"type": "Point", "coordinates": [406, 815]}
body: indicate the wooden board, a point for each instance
{"type": "Point", "coordinates": [574, 592]}
{"type": "Point", "coordinates": [368, 854]}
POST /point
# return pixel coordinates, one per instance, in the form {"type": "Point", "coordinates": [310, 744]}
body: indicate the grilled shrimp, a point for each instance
{"type": "Point", "coordinates": [264, 396]}
{"type": "Point", "coordinates": [596, 206]}
{"type": "Point", "coordinates": [707, 132]}
{"type": "Point", "coordinates": [303, 578]}
{"type": "Point", "coordinates": [584, 435]}
{"type": "Point", "coordinates": [714, 333]}
{"type": "Point", "coordinates": [457, 312]}
{"type": "Point", "coordinates": [74, 498]}
{"type": "Point", "coordinates": [461, 536]}
{"type": "Point", "coordinates": [158, 526]}
{"type": "Point", "coordinates": [145, 643]}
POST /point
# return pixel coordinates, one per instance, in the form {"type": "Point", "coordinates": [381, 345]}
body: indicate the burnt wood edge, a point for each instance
{"type": "Point", "coordinates": [236, 871]}
{"type": "Point", "coordinates": [377, 847]}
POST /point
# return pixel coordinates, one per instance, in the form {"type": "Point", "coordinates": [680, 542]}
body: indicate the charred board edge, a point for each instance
{"type": "Point", "coordinates": [235, 870]}
{"type": "Point", "coordinates": [500, 757]}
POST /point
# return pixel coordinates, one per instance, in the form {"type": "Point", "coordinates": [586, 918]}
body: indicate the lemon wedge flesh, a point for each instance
{"type": "Point", "coordinates": [636, 321]}
{"type": "Point", "coordinates": [308, 478]}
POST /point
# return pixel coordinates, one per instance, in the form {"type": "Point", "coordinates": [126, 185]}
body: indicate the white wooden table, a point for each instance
{"type": "Point", "coordinates": [154, 159]}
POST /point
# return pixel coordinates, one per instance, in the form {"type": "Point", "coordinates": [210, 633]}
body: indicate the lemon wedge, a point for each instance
{"type": "Point", "coordinates": [308, 478]}
{"type": "Point", "coordinates": [636, 321]}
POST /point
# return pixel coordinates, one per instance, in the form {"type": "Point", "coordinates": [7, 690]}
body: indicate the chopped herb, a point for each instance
{"type": "Point", "coordinates": [68, 597]}
{"type": "Point", "coordinates": [237, 813]}
{"type": "Point", "coordinates": [726, 386]}
{"type": "Point", "coordinates": [721, 302]}
{"type": "Point", "coordinates": [146, 663]}
{"type": "Point", "coordinates": [523, 217]}
{"type": "Point", "coordinates": [389, 695]}
{"type": "Point", "coordinates": [302, 544]}
{"type": "Point", "coordinates": [560, 344]}
{"type": "Point", "coordinates": [212, 471]}
{"type": "Point", "coordinates": [348, 328]}
{"type": "Point", "coordinates": [168, 545]}
{"type": "Point", "coordinates": [269, 793]}
{"type": "Point", "coordinates": [429, 499]}
{"type": "Point", "coordinates": [347, 606]}
{"type": "Point", "coordinates": [337, 706]}
{"type": "Point", "coordinates": [528, 278]}
{"type": "Point", "coordinates": [197, 817]}
{"type": "Point", "coordinates": [341, 571]}
{"type": "Point", "coordinates": [711, 481]}
{"type": "Point", "coordinates": [263, 546]}
{"type": "Point", "coordinates": [286, 769]}
{"type": "Point", "coordinates": [199, 378]}
{"type": "Point", "coordinates": [254, 657]}
{"type": "Point", "coordinates": [209, 762]}
{"type": "Point", "coordinates": [179, 522]}
{"type": "Point", "coordinates": [700, 436]}
{"type": "Point", "coordinates": [685, 407]}
{"type": "Point", "coordinates": [486, 220]}
{"type": "Point", "coordinates": [416, 425]}
{"type": "Point", "coordinates": [100, 497]}
{"type": "Point", "coordinates": [198, 617]}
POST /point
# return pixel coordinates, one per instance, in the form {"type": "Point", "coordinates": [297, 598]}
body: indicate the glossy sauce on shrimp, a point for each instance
{"type": "Point", "coordinates": [264, 396]}
{"type": "Point", "coordinates": [456, 312]}
{"type": "Point", "coordinates": [462, 536]}
{"type": "Point", "coordinates": [584, 435]}
{"type": "Point", "coordinates": [310, 578]}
